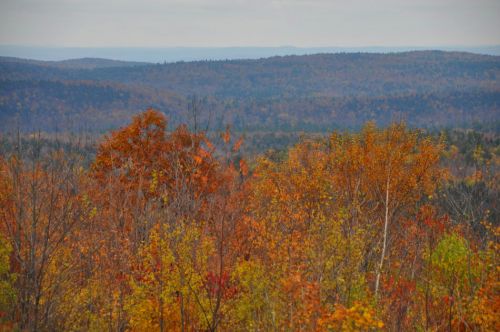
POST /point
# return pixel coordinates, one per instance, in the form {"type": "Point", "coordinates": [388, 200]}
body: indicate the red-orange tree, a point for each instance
{"type": "Point", "coordinates": [150, 179]}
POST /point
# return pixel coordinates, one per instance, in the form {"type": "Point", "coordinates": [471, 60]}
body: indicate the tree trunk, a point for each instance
{"type": "Point", "coordinates": [384, 244]}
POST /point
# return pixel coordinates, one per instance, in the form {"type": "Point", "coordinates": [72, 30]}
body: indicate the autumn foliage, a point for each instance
{"type": "Point", "coordinates": [168, 231]}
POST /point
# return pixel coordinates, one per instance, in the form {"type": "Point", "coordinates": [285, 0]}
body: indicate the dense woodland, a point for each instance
{"type": "Point", "coordinates": [309, 93]}
{"type": "Point", "coordinates": [153, 229]}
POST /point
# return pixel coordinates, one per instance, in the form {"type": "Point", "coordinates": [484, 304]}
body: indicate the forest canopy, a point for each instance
{"type": "Point", "coordinates": [379, 229]}
{"type": "Point", "coordinates": [314, 93]}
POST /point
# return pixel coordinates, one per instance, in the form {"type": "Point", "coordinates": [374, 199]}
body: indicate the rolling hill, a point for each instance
{"type": "Point", "coordinates": [308, 93]}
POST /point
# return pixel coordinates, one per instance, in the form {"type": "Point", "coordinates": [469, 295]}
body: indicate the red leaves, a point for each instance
{"type": "Point", "coordinates": [143, 153]}
{"type": "Point", "coordinates": [219, 285]}
{"type": "Point", "coordinates": [399, 289]}
{"type": "Point", "coordinates": [448, 299]}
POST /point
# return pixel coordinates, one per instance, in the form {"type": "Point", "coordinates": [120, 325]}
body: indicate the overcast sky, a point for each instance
{"type": "Point", "coordinates": [200, 23]}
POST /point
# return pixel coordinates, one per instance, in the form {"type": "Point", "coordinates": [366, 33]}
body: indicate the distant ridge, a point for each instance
{"type": "Point", "coordinates": [174, 54]}
{"type": "Point", "coordinates": [81, 63]}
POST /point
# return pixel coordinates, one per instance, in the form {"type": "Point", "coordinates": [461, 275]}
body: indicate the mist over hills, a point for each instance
{"type": "Point", "coordinates": [308, 92]}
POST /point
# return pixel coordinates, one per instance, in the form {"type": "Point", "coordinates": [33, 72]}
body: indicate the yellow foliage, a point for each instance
{"type": "Point", "coordinates": [359, 317]}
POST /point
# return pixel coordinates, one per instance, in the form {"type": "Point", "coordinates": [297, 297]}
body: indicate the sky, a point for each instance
{"type": "Point", "coordinates": [223, 23]}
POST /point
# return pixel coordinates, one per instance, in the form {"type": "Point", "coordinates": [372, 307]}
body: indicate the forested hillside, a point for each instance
{"type": "Point", "coordinates": [312, 93]}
